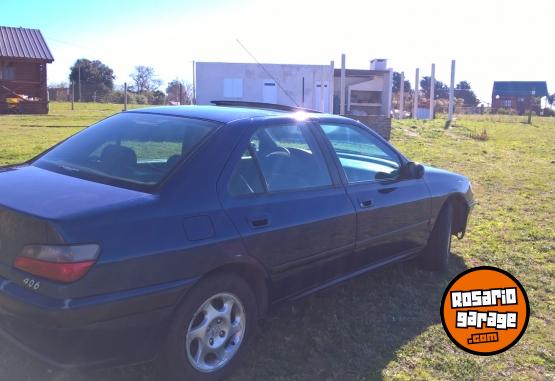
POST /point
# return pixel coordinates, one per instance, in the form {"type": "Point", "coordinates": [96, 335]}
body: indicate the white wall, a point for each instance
{"type": "Point", "coordinates": [245, 82]}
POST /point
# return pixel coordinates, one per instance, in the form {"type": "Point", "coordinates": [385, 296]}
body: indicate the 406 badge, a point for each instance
{"type": "Point", "coordinates": [485, 310]}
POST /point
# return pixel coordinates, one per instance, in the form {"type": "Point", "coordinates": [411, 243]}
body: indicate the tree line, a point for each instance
{"type": "Point", "coordinates": [93, 81]}
{"type": "Point", "coordinates": [462, 91]}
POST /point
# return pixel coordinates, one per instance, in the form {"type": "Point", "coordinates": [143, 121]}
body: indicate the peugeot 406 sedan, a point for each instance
{"type": "Point", "coordinates": [165, 233]}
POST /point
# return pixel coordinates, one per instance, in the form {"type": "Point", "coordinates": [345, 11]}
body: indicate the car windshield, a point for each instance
{"type": "Point", "coordinates": [133, 148]}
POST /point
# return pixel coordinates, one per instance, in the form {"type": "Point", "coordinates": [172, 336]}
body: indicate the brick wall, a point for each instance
{"type": "Point", "coordinates": [379, 123]}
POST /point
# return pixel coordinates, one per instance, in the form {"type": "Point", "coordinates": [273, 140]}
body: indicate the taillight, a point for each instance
{"type": "Point", "coordinates": [59, 263]}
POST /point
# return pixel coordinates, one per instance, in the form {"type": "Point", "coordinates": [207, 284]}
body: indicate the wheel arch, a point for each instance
{"type": "Point", "coordinates": [250, 271]}
{"type": "Point", "coordinates": [254, 275]}
{"type": "Point", "coordinates": [460, 213]}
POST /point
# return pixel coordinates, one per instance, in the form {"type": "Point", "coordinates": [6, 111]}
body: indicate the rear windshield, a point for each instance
{"type": "Point", "coordinates": [128, 148]}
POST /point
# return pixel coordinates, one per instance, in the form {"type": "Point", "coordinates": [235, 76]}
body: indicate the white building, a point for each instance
{"type": "Point", "coordinates": [317, 87]}
{"type": "Point", "coordinates": [292, 85]}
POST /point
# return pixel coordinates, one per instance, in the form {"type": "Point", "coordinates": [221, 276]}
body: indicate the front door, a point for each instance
{"type": "Point", "coordinates": [269, 91]}
{"type": "Point", "coordinates": [321, 96]}
{"type": "Point", "coordinates": [291, 211]}
{"type": "Point", "coordinates": [393, 214]}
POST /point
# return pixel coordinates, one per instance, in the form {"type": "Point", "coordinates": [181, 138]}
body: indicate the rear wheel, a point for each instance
{"type": "Point", "coordinates": [435, 256]}
{"type": "Point", "coordinates": [210, 330]}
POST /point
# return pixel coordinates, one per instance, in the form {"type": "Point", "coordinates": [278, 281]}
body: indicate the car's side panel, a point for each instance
{"type": "Point", "coordinates": [301, 228]}
{"type": "Point", "coordinates": [397, 220]}
{"type": "Point", "coordinates": [393, 216]}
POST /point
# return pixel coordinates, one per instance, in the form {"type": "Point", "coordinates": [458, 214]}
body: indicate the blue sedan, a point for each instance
{"type": "Point", "coordinates": [166, 233]}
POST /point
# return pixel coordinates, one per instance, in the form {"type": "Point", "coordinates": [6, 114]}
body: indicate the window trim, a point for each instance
{"type": "Point", "coordinates": [305, 128]}
{"type": "Point", "coordinates": [364, 129]}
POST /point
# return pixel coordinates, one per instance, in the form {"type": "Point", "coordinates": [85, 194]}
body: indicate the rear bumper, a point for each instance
{"type": "Point", "coordinates": [75, 337]}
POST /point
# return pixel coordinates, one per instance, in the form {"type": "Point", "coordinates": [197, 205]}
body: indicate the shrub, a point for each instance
{"type": "Point", "coordinates": [506, 111]}
{"type": "Point", "coordinates": [141, 99]}
{"type": "Point", "coordinates": [483, 136]}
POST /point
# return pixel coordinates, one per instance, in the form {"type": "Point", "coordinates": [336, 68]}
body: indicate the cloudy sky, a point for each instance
{"type": "Point", "coordinates": [491, 40]}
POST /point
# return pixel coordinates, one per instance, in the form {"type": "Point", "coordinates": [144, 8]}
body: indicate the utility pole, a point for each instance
{"type": "Point", "coordinates": [180, 95]}
{"type": "Point", "coordinates": [451, 94]}
{"type": "Point", "coordinates": [432, 91]}
{"type": "Point", "coordinates": [125, 96]}
{"type": "Point", "coordinates": [342, 87]}
{"type": "Point", "coordinates": [72, 95]}
{"type": "Point", "coordinates": [194, 100]}
{"type": "Point", "coordinates": [79, 80]}
{"type": "Point", "coordinates": [402, 97]}
{"type": "Point", "coordinates": [415, 97]}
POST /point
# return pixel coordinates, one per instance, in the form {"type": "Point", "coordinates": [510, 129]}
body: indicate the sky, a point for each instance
{"type": "Point", "coordinates": [489, 39]}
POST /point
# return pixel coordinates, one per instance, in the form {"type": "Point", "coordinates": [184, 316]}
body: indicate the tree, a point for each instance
{"type": "Point", "coordinates": [441, 90]}
{"type": "Point", "coordinates": [464, 91]}
{"type": "Point", "coordinates": [145, 79]}
{"type": "Point", "coordinates": [186, 92]}
{"type": "Point", "coordinates": [92, 79]}
{"type": "Point", "coordinates": [397, 83]}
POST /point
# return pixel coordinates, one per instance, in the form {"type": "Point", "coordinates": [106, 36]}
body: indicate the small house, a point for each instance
{"type": "Point", "coordinates": [518, 95]}
{"type": "Point", "coordinates": [24, 56]}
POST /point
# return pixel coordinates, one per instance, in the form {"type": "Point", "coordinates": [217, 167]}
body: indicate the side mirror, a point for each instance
{"type": "Point", "coordinates": [412, 170]}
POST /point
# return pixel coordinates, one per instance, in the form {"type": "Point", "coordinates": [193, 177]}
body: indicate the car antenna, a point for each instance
{"type": "Point", "coordinates": [267, 72]}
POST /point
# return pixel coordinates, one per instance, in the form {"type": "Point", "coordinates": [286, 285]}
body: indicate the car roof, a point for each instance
{"type": "Point", "coordinates": [215, 113]}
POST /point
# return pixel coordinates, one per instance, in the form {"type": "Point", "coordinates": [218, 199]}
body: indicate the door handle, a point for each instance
{"type": "Point", "coordinates": [259, 222]}
{"type": "Point", "coordinates": [366, 203]}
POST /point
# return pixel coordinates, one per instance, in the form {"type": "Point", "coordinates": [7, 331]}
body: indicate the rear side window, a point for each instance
{"type": "Point", "coordinates": [285, 157]}
{"type": "Point", "coordinates": [132, 148]}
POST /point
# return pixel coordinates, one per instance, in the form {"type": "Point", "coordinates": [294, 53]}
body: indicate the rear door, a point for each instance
{"type": "Point", "coordinates": [292, 212]}
{"type": "Point", "coordinates": [393, 214]}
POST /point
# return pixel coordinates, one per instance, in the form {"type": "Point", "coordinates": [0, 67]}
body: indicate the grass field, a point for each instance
{"type": "Point", "coordinates": [386, 325]}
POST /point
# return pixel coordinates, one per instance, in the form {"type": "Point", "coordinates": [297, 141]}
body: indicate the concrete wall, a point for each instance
{"type": "Point", "coordinates": [210, 78]}
{"type": "Point", "coordinates": [377, 81]}
{"type": "Point", "coordinates": [379, 123]}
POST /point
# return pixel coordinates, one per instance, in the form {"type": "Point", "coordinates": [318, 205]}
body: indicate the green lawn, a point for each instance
{"type": "Point", "coordinates": [386, 325]}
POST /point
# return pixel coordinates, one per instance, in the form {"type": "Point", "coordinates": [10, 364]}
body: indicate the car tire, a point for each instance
{"type": "Point", "coordinates": [178, 360]}
{"type": "Point", "coordinates": [435, 256]}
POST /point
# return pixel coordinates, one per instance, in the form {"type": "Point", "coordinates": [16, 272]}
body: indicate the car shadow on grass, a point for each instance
{"type": "Point", "coordinates": [351, 331]}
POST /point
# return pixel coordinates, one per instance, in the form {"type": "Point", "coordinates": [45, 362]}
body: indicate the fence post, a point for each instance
{"type": "Point", "coordinates": [451, 94]}
{"type": "Point", "coordinates": [180, 95]}
{"type": "Point", "coordinates": [125, 96]}
{"type": "Point", "coordinates": [402, 97]}
{"type": "Point", "coordinates": [530, 116]}
{"type": "Point", "coordinates": [415, 97]}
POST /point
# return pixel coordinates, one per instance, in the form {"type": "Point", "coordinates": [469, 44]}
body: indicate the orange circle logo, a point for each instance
{"type": "Point", "coordinates": [485, 310]}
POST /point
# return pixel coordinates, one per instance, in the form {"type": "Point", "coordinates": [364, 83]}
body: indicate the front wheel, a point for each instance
{"type": "Point", "coordinates": [435, 256]}
{"type": "Point", "coordinates": [210, 330]}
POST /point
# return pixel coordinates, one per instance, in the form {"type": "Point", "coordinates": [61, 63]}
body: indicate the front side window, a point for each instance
{"type": "Point", "coordinates": [286, 158]}
{"type": "Point", "coordinates": [133, 148]}
{"type": "Point", "coordinates": [362, 156]}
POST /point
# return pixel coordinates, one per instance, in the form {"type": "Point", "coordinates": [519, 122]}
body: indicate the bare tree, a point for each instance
{"type": "Point", "coordinates": [186, 96]}
{"type": "Point", "coordinates": [145, 79]}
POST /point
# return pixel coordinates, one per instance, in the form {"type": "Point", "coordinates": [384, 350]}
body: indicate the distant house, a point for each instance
{"type": "Point", "coordinates": [24, 55]}
{"type": "Point", "coordinates": [518, 95]}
